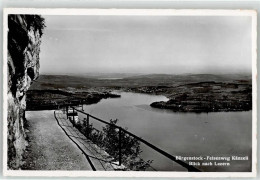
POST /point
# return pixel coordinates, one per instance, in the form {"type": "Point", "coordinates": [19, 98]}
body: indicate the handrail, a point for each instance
{"type": "Point", "coordinates": [100, 120]}
{"type": "Point", "coordinates": [187, 166]}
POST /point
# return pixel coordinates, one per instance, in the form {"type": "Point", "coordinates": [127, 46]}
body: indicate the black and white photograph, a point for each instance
{"type": "Point", "coordinates": [129, 92]}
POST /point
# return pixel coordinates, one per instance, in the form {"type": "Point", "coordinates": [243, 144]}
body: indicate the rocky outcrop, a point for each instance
{"type": "Point", "coordinates": [24, 39]}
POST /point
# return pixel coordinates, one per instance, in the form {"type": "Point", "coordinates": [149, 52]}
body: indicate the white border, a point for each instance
{"type": "Point", "coordinates": [133, 12]}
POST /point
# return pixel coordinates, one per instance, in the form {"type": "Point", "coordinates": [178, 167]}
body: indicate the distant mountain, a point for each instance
{"type": "Point", "coordinates": [194, 77]}
{"type": "Point", "coordinates": [98, 75]}
{"type": "Point", "coordinates": [125, 80]}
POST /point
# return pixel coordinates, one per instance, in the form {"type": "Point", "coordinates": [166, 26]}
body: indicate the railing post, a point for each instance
{"type": "Point", "coordinates": [88, 127]}
{"type": "Point", "coordinates": [119, 146]}
{"type": "Point", "coordinates": [67, 111]}
{"type": "Point", "coordinates": [73, 115]}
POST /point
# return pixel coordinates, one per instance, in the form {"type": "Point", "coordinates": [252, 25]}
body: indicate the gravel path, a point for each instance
{"type": "Point", "coordinates": [49, 148]}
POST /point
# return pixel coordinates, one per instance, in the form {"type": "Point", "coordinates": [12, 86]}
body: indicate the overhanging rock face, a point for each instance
{"type": "Point", "coordinates": [24, 39]}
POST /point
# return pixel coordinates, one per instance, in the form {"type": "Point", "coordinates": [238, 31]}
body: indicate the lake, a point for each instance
{"type": "Point", "coordinates": [180, 134]}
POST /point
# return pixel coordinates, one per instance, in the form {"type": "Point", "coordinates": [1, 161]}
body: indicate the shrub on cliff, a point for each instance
{"type": "Point", "coordinates": [130, 148]}
{"type": "Point", "coordinates": [35, 21]}
{"type": "Point", "coordinates": [109, 140]}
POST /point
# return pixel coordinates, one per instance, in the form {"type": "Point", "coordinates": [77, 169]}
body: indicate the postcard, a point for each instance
{"type": "Point", "coordinates": [129, 93]}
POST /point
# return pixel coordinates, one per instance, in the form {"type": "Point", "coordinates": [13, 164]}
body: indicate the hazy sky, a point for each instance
{"type": "Point", "coordinates": [141, 44]}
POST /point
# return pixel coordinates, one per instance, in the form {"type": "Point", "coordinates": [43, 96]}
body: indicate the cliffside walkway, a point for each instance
{"type": "Point", "coordinates": [49, 148]}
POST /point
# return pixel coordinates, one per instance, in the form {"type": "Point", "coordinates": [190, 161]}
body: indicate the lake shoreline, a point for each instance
{"type": "Point", "coordinates": [208, 96]}
{"type": "Point", "coordinates": [186, 93]}
{"type": "Point", "coordinates": [179, 102]}
{"type": "Point", "coordinates": [56, 99]}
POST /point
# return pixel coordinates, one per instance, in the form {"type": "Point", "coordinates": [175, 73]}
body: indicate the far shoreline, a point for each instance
{"type": "Point", "coordinates": [186, 93]}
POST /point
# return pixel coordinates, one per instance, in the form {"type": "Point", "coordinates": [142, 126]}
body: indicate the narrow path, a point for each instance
{"type": "Point", "coordinates": [49, 148]}
{"type": "Point", "coordinates": [97, 157]}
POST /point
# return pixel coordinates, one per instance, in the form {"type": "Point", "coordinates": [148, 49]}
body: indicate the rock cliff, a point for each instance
{"type": "Point", "coordinates": [24, 39]}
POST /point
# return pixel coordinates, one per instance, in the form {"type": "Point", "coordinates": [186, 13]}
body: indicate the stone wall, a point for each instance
{"type": "Point", "coordinates": [24, 39]}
